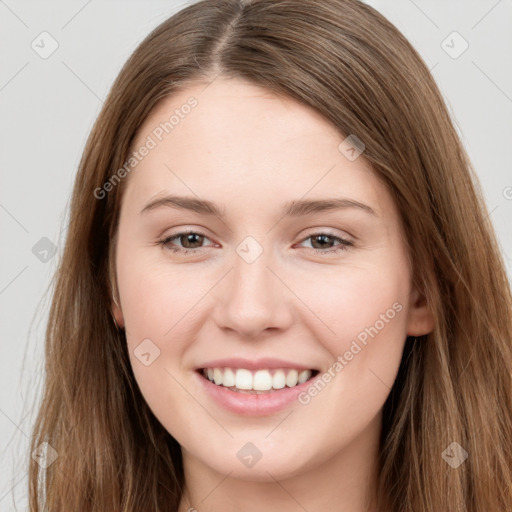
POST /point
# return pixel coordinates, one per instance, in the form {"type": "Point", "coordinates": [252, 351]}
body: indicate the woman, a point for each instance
{"type": "Point", "coordinates": [280, 288]}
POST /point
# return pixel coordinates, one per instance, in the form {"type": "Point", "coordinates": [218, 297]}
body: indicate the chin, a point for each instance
{"type": "Point", "coordinates": [270, 467]}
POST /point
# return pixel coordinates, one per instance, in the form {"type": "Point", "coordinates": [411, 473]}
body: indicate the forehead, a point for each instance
{"type": "Point", "coordinates": [232, 116]}
{"type": "Point", "coordinates": [232, 138]}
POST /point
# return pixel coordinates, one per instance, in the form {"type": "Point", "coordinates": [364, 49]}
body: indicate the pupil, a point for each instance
{"type": "Point", "coordinates": [323, 237]}
{"type": "Point", "coordinates": [189, 238]}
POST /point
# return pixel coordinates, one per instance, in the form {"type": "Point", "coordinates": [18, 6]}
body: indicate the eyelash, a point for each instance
{"type": "Point", "coordinates": [343, 243]}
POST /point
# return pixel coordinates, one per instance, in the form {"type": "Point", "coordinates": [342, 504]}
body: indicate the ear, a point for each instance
{"type": "Point", "coordinates": [421, 319]}
{"type": "Point", "coordinates": [117, 312]}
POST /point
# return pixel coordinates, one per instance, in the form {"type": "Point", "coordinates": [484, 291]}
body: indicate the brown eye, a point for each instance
{"type": "Point", "coordinates": [322, 243]}
{"type": "Point", "coordinates": [190, 241]}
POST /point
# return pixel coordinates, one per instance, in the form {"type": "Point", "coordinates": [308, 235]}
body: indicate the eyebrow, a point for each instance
{"type": "Point", "coordinates": [296, 208]}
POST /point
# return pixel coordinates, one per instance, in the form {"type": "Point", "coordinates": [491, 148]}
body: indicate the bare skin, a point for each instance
{"type": "Point", "coordinates": [251, 152]}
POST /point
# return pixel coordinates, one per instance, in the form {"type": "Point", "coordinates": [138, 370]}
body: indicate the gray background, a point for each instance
{"type": "Point", "coordinates": [48, 106]}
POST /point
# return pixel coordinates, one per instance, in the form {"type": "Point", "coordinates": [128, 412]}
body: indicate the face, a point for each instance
{"type": "Point", "coordinates": [297, 313]}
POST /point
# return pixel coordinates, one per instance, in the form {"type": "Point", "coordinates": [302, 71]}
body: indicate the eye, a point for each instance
{"type": "Point", "coordinates": [322, 239]}
{"type": "Point", "coordinates": [192, 240]}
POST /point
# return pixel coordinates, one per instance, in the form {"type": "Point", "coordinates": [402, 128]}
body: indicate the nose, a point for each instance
{"type": "Point", "coordinates": [252, 300]}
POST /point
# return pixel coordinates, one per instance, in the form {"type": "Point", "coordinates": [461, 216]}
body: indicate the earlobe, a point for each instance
{"type": "Point", "coordinates": [421, 319]}
{"type": "Point", "coordinates": [117, 314]}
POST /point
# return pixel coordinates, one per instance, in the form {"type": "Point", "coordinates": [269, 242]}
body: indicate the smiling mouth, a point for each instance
{"type": "Point", "coordinates": [256, 382]}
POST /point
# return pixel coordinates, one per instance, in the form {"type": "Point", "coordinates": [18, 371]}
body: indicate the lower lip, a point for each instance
{"type": "Point", "coordinates": [248, 404]}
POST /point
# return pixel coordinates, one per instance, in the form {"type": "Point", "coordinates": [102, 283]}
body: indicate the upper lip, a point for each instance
{"type": "Point", "coordinates": [253, 364]}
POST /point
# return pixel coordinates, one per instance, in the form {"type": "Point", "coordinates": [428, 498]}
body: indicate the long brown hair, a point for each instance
{"type": "Point", "coordinates": [351, 65]}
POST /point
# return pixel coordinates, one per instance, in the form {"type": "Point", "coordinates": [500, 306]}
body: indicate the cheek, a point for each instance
{"type": "Point", "coordinates": [160, 304]}
{"type": "Point", "coordinates": [363, 313]}
{"type": "Point", "coordinates": [156, 302]}
{"type": "Point", "coordinates": [350, 299]}
{"type": "Point", "coordinates": [156, 296]}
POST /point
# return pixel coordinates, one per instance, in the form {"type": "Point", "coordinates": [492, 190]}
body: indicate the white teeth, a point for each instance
{"type": "Point", "coordinates": [217, 376]}
{"type": "Point", "coordinates": [228, 379]}
{"type": "Point", "coordinates": [259, 381]}
{"type": "Point", "coordinates": [292, 378]}
{"type": "Point", "coordinates": [279, 380]}
{"type": "Point", "coordinates": [304, 375]}
{"type": "Point", "coordinates": [262, 380]}
{"type": "Point", "coordinates": [243, 379]}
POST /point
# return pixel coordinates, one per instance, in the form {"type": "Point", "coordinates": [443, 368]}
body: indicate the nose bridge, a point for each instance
{"type": "Point", "coordinates": [252, 280]}
{"type": "Point", "coordinates": [251, 276]}
{"type": "Point", "coordinates": [253, 299]}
